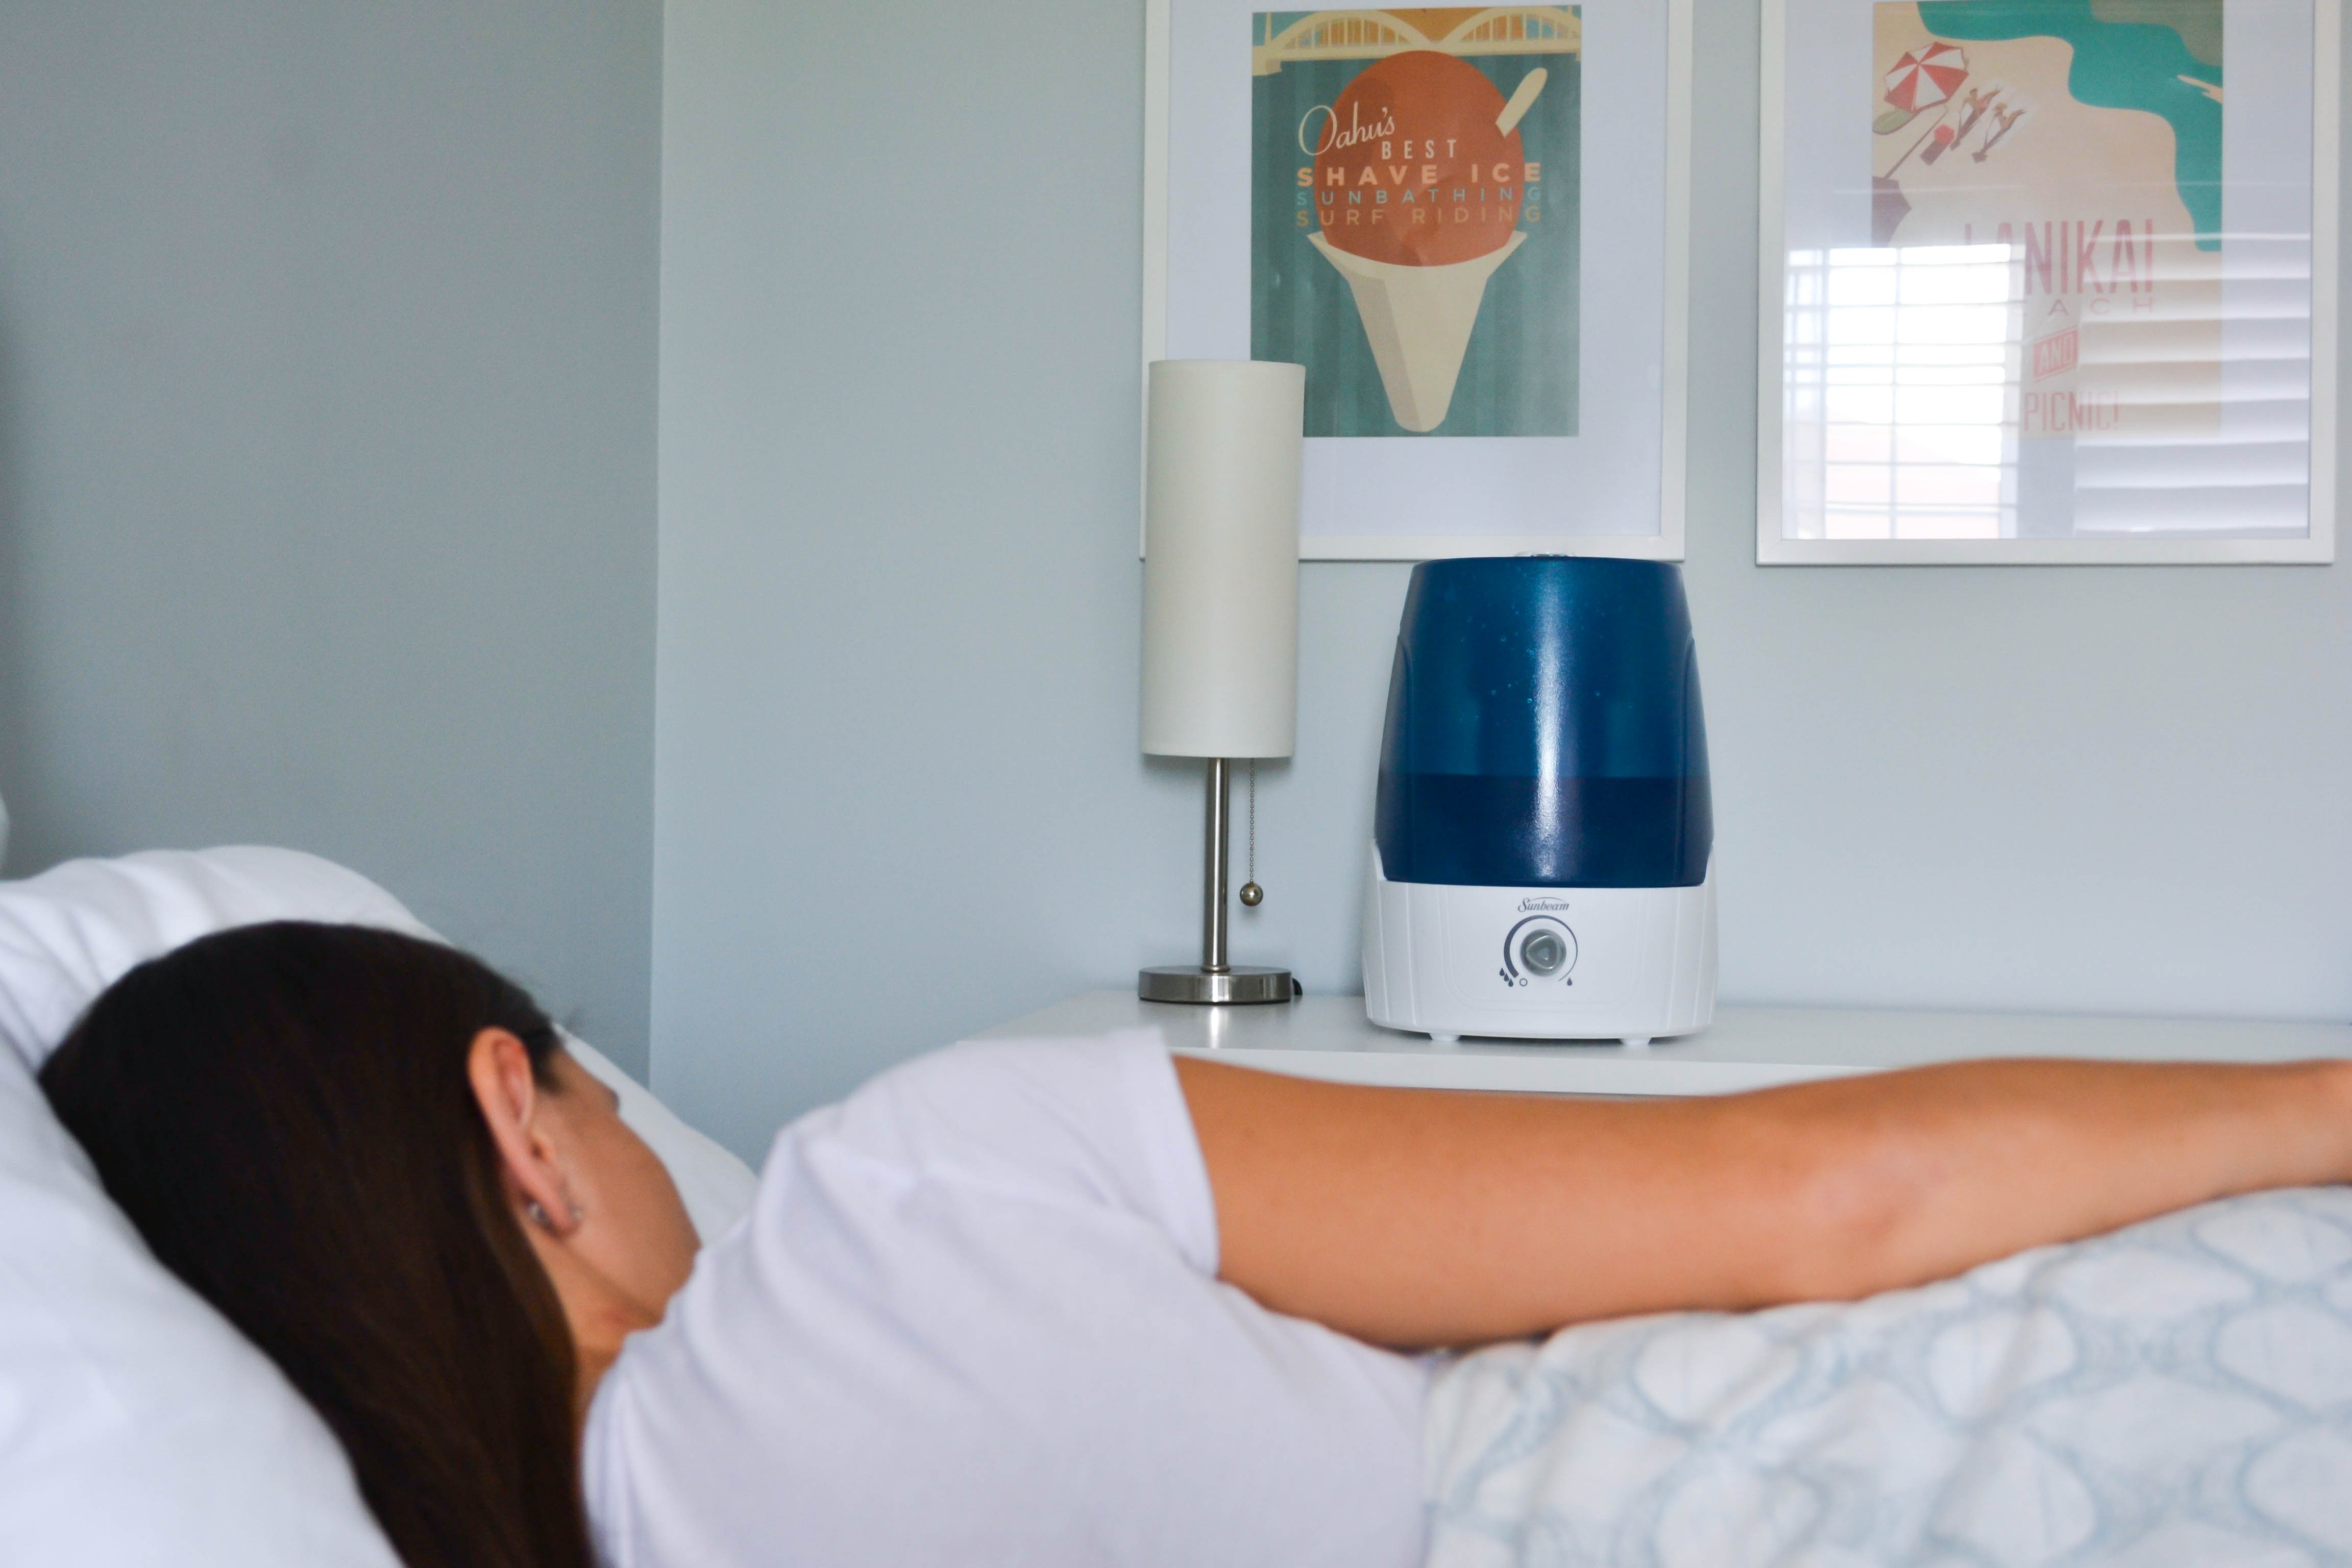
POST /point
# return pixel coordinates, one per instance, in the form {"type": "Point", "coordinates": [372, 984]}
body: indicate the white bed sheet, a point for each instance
{"type": "Point", "coordinates": [2177, 1393]}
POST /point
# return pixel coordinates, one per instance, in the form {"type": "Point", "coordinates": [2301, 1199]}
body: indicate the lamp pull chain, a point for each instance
{"type": "Point", "coordinates": [1252, 894]}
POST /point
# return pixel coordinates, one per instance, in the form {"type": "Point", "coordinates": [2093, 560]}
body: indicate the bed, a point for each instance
{"type": "Point", "coordinates": [2177, 1393]}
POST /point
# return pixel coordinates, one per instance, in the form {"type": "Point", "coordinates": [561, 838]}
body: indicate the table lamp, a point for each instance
{"type": "Point", "coordinates": [1222, 458]}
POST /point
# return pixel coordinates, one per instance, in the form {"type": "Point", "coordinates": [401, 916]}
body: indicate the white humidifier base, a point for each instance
{"type": "Point", "coordinates": [1539, 963]}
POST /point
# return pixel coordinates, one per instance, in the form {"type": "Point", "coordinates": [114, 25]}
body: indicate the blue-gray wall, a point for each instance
{"type": "Point", "coordinates": [327, 436]}
{"type": "Point", "coordinates": [898, 796]}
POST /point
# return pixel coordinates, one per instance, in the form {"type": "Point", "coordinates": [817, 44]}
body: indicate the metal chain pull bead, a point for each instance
{"type": "Point", "coordinates": [1252, 894]}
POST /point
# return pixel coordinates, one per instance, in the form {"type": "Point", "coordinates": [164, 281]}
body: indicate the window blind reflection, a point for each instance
{"type": "Point", "coordinates": [1904, 369]}
{"type": "Point", "coordinates": [1923, 401]}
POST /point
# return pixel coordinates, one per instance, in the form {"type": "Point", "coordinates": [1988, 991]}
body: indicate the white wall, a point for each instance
{"type": "Point", "coordinates": [898, 792]}
{"type": "Point", "coordinates": [327, 422]}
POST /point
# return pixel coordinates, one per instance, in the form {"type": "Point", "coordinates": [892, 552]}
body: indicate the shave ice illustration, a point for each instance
{"type": "Point", "coordinates": [1436, 137]}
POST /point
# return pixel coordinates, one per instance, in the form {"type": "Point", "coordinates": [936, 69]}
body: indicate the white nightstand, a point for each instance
{"type": "Point", "coordinates": [1746, 1048]}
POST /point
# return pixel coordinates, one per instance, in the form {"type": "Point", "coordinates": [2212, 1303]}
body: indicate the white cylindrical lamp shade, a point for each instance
{"type": "Point", "coordinates": [1222, 460]}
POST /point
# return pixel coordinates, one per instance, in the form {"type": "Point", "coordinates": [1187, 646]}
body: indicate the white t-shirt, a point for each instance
{"type": "Point", "coordinates": [973, 1319]}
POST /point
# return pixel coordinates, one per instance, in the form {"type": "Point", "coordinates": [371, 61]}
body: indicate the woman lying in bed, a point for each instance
{"type": "Point", "coordinates": [1025, 1302]}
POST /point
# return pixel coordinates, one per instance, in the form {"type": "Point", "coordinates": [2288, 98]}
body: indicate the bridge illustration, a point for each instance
{"type": "Point", "coordinates": [1373, 35]}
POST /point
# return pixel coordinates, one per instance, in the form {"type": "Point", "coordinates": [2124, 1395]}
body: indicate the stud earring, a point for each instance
{"type": "Point", "coordinates": [537, 1216]}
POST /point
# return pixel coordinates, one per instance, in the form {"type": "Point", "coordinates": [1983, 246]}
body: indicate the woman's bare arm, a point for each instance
{"type": "Point", "coordinates": [1423, 1218]}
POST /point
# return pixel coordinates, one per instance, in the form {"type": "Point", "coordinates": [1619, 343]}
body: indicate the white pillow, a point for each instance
{"type": "Point", "coordinates": [136, 1425]}
{"type": "Point", "coordinates": [67, 934]}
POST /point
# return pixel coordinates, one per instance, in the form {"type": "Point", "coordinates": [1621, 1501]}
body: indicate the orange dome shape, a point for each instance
{"type": "Point", "coordinates": [1404, 137]}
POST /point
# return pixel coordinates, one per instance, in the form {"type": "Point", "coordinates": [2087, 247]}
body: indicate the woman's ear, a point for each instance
{"type": "Point", "coordinates": [498, 1065]}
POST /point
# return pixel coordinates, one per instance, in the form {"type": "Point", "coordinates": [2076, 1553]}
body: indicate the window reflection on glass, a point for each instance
{"type": "Point", "coordinates": [1905, 366]}
{"type": "Point", "coordinates": [1943, 392]}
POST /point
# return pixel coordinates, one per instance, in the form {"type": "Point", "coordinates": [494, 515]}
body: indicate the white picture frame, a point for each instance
{"type": "Point", "coordinates": [1776, 367]}
{"type": "Point", "coordinates": [1370, 498]}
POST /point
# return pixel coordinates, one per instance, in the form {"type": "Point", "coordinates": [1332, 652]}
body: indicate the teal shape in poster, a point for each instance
{"type": "Point", "coordinates": [2122, 65]}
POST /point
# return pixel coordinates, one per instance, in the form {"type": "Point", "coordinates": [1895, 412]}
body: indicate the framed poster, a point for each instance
{"type": "Point", "coordinates": [2048, 281]}
{"type": "Point", "coordinates": [1477, 247]}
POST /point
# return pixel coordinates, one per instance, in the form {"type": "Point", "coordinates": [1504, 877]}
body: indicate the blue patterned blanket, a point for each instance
{"type": "Point", "coordinates": [2177, 1393]}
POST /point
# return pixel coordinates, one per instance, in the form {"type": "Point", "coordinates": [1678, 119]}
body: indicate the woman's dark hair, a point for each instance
{"type": "Point", "coordinates": [284, 1111]}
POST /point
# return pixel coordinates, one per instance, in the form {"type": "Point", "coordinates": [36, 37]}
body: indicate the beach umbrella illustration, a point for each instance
{"type": "Point", "coordinates": [1925, 78]}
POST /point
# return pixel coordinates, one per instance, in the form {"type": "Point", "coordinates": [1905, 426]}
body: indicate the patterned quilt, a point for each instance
{"type": "Point", "coordinates": [2177, 1393]}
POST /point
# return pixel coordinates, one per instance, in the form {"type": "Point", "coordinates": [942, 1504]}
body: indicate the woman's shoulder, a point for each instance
{"type": "Point", "coordinates": [1097, 1120]}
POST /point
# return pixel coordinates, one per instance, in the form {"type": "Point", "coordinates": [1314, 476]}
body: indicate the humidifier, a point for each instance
{"type": "Point", "coordinates": [1543, 862]}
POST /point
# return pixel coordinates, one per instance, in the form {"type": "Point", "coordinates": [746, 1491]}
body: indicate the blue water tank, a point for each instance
{"type": "Point", "coordinates": [1544, 728]}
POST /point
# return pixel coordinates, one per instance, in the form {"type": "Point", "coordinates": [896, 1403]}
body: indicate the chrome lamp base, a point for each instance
{"type": "Point", "coordinates": [1213, 981]}
{"type": "Point", "coordinates": [1191, 983]}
